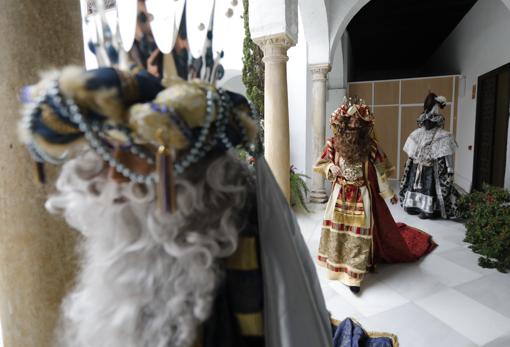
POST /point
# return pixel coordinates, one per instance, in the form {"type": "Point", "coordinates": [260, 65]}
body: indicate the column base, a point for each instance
{"type": "Point", "coordinates": [319, 196]}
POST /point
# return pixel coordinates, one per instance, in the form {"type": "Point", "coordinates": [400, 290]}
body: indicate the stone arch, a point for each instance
{"type": "Point", "coordinates": [341, 13]}
{"type": "Point", "coordinates": [315, 23]}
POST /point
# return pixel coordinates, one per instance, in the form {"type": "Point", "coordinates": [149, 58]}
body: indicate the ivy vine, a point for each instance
{"type": "Point", "coordinates": [253, 73]}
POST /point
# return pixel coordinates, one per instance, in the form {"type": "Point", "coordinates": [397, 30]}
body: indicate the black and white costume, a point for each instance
{"type": "Point", "coordinates": [427, 184]}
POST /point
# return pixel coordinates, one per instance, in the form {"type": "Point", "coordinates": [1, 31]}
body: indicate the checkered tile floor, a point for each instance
{"type": "Point", "coordinates": [445, 299]}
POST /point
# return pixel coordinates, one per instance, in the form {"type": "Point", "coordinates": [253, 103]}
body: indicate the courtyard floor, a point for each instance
{"type": "Point", "coordinates": [445, 299]}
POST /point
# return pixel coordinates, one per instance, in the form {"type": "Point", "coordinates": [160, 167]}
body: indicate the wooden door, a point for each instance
{"type": "Point", "coordinates": [491, 128]}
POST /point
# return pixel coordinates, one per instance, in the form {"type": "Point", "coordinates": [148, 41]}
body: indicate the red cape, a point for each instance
{"type": "Point", "coordinates": [394, 242]}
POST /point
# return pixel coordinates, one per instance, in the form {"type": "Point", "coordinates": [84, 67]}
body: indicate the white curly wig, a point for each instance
{"type": "Point", "coordinates": [146, 279]}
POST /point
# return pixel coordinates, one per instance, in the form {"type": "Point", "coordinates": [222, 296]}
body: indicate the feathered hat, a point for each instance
{"type": "Point", "coordinates": [434, 114]}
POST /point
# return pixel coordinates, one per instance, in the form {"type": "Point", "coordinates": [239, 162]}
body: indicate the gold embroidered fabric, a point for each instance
{"type": "Point", "coordinates": [346, 243]}
{"type": "Point", "coordinates": [350, 207]}
{"type": "Point", "coordinates": [251, 324]}
{"type": "Point", "coordinates": [350, 172]}
{"type": "Point", "coordinates": [245, 257]}
{"type": "Point", "coordinates": [345, 253]}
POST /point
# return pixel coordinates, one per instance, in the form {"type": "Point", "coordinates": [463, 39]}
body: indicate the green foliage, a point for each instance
{"type": "Point", "coordinates": [298, 190]}
{"type": "Point", "coordinates": [253, 73]}
{"type": "Point", "coordinates": [487, 215]}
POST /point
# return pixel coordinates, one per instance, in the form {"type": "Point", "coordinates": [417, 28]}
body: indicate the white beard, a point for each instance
{"type": "Point", "coordinates": [146, 280]}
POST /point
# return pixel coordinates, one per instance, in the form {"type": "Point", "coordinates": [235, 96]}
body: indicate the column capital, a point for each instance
{"type": "Point", "coordinates": [275, 47]}
{"type": "Point", "coordinates": [319, 71]}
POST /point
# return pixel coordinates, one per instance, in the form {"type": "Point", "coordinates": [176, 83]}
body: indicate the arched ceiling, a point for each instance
{"type": "Point", "coordinates": [397, 37]}
{"type": "Point", "coordinates": [340, 13]}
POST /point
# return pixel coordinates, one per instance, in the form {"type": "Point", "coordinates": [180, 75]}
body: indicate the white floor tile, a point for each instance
{"type": "Point", "coordinates": [443, 245]}
{"type": "Point", "coordinates": [503, 341]}
{"type": "Point", "coordinates": [313, 243]}
{"type": "Point", "coordinates": [465, 257]}
{"type": "Point", "coordinates": [453, 234]}
{"type": "Point", "coordinates": [416, 328]}
{"type": "Point", "coordinates": [375, 297]}
{"type": "Point", "coordinates": [414, 300]}
{"type": "Point", "coordinates": [306, 224]}
{"type": "Point", "coordinates": [328, 293]}
{"type": "Point", "coordinates": [468, 317]}
{"type": "Point", "coordinates": [447, 272]}
{"type": "Point", "coordinates": [340, 308]}
{"type": "Point", "coordinates": [492, 291]}
{"type": "Point", "coordinates": [409, 280]}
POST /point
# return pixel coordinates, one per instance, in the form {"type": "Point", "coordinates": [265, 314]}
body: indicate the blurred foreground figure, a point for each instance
{"type": "Point", "coordinates": [183, 245]}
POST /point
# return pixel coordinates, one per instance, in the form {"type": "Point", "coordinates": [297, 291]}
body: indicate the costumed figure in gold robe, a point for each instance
{"type": "Point", "coordinates": [358, 230]}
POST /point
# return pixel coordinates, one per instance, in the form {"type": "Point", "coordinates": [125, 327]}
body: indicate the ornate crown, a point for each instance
{"type": "Point", "coordinates": [351, 115]}
{"type": "Point", "coordinates": [114, 112]}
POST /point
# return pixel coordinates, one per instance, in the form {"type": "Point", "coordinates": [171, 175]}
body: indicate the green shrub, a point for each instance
{"type": "Point", "coordinates": [487, 216]}
{"type": "Point", "coordinates": [298, 189]}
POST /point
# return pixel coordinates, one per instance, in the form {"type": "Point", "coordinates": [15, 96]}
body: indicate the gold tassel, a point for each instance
{"type": "Point", "coordinates": [166, 179]}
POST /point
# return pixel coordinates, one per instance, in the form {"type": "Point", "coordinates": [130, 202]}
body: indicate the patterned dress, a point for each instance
{"type": "Point", "coordinates": [358, 230]}
{"type": "Point", "coordinates": [427, 183]}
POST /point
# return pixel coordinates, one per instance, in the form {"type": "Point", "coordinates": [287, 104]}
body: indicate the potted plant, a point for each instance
{"type": "Point", "coordinates": [487, 220]}
{"type": "Point", "coordinates": [298, 189]}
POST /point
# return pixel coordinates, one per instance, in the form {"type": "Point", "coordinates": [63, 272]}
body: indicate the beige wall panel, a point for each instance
{"type": "Point", "coordinates": [361, 90]}
{"type": "Point", "coordinates": [386, 130]}
{"type": "Point", "coordinates": [414, 91]}
{"type": "Point", "coordinates": [455, 106]}
{"type": "Point", "coordinates": [409, 115]}
{"type": "Point", "coordinates": [447, 113]}
{"type": "Point", "coordinates": [386, 93]}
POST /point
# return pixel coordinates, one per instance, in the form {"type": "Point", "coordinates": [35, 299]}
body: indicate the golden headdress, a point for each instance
{"type": "Point", "coordinates": [351, 115]}
{"type": "Point", "coordinates": [111, 111]}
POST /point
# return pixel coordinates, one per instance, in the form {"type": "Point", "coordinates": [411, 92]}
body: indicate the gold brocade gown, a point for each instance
{"type": "Point", "coordinates": [346, 244]}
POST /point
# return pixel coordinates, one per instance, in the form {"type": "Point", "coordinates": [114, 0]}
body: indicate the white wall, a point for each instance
{"type": "Point", "coordinates": [337, 80]}
{"type": "Point", "coordinates": [315, 24]}
{"type": "Point", "coordinates": [297, 81]}
{"type": "Point", "coordinates": [478, 45]}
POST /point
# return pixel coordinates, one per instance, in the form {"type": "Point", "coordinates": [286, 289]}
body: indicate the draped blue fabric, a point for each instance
{"type": "Point", "coordinates": [351, 334]}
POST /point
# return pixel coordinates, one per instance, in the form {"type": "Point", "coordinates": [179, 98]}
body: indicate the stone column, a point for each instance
{"type": "Point", "coordinates": [319, 90]}
{"type": "Point", "coordinates": [37, 262]}
{"type": "Point", "coordinates": [276, 108]}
